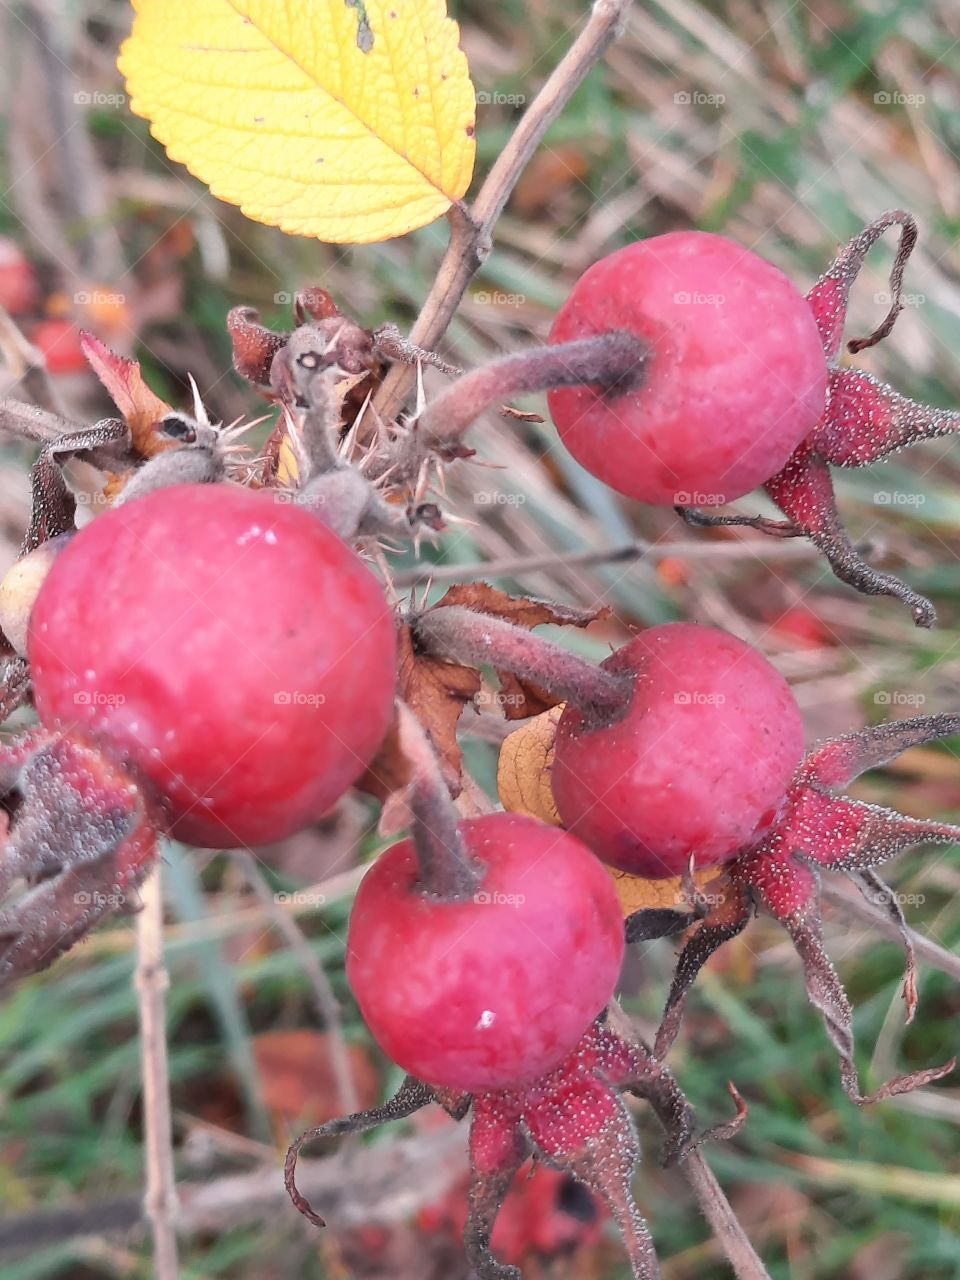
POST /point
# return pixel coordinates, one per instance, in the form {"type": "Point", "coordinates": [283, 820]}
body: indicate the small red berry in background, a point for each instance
{"type": "Point", "coordinates": [59, 342]}
{"type": "Point", "coordinates": [19, 286]}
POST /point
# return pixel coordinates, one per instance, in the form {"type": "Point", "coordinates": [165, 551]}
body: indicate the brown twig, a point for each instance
{"type": "Point", "coordinates": [471, 228]}
{"type": "Point", "coordinates": [721, 1218]}
{"type": "Point", "coordinates": [383, 1183]}
{"type": "Point", "coordinates": [160, 1200]}
{"type": "Point", "coordinates": [513, 566]}
{"type": "Point", "coordinates": [326, 1001]}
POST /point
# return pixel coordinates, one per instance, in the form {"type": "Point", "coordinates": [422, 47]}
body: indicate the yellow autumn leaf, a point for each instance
{"type": "Point", "coordinates": [523, 781]}
{"type": "Point", "coordinates": [348, 120]}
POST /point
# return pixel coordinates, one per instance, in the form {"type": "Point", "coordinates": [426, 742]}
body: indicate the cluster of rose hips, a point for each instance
{"type": "Point", "coordinates": [216, 661]}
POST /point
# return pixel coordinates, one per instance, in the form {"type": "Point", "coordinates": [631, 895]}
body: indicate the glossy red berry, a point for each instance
{"type": "Point", "coordinates": [496, 989]}
{"type": "Point", "coordinates": [699, 764]}
{"type": "Point", "coordinates": [229, 648]}
{"type": "Point", "coordinates": [735, 378]}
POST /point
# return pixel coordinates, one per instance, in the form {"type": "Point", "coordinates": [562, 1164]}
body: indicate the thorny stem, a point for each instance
{"type": "Point", "coordinates": [462, 635]}
{"type": "Point", "coordinates": [445, 869]}
{"type": "Point", "coordinates": [152, 982]}
{"type": "Point", "coordinates": [471, 229]}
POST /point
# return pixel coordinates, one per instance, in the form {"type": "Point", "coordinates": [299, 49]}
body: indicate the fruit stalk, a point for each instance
{"type": "Point", "coordinates": [445, 869]}
{"type": "Point", "coordinates": [614, 361]}
{"type": "Point", "coordinates": [477, 639]}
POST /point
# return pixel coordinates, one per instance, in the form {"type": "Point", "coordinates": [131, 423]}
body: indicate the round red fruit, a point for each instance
{"type": "Point", "coordinates": [496, 989]}
{"type": "Point", "coordinates": [697, 766]}
{"type": "Point", "coordinates": [231, 649]}
{"type": "Point", "coordinates": [735, 377]}
{"type": "Point", "coordinates": [19, 286]}
{"type": "Point", "coordinates": [59, 342]}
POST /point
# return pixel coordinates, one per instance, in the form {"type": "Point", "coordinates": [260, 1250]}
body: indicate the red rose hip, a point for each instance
{"type": "Point", "coordinates": [497, 988]}
{"type": "Point", "coordinates": [698, 765]}
{"type": "Point", "coordinates": [230, 649]}
{"type": "Point", "coordinates": [735, 375]}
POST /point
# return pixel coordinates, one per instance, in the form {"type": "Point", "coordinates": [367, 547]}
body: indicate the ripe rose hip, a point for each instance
{"type": "Point", "coordinates": [495, 989]}
{"type": "Point", "coordinates": [699, 764]}
{"type": "Point", "coordinates": [735, 377]}
{"type": "Point", "coordinates": [230, 649]}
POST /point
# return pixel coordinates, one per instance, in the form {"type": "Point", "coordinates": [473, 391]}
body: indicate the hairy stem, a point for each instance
{"type": "Point", "coordinates": [462, 635]}
{"type": "Point", "coordinates": [614, 361]}
{"type": "Point", "coordinates": [471, 230]}
{"type": "Point", "coordinates": [445, 868]}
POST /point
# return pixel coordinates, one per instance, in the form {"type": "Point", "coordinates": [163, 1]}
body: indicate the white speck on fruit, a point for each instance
{"type": "Point", "coordinates": [270, 538]}
{"type": "Point", "coordinates": [253, 532]}
{"type": "Point", "coordinates": [487, 1019]}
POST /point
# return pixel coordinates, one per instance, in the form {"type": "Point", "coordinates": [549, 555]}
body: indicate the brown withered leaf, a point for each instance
{"type": "Point", "coordinates": [523, 770]}
{"type": "Point", "coordinates": [519, 698]}
{"type": "Point", "coordinates": [436, 692]}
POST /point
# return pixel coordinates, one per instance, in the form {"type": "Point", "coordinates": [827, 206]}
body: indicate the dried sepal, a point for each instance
{"type": "Point", "coordinates": [879, 894]}
{"type": "Point", "coordinates": [830, 296]}
{"type": "Point", "coordinates": [863, 421]}
{"type": "Point", "coordinates": [412, 1096]}
{"type": "Point", "coordinates": [727, 918]}
{"type": "Point", "coordinates": [866, 420]}
{"type": "Point", "coordinates": [80, 843]}
{"type": "Point", "coordinates": [817, 828]}
{"type": "Point", "coordinates": [827, 995]}
{"type": "Point", "coordinates": [573, 1118]}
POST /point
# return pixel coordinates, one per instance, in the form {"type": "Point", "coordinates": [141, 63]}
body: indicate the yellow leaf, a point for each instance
{"type": "Point", "coordinates": [639, 894]}
{"type": "Point", "coordinates": [523, 771]}
{"type": "Point", "coordinates": [523, 781]}
{"type": "Point", "coordinates": [348, 120]}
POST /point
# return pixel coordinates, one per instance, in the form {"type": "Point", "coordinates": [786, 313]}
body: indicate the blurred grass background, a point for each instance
{"type": "Point", "coordinates": [787, 126]}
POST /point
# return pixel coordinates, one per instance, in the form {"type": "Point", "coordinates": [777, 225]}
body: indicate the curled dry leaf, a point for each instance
{"type": "Point", "coordinates": [436, 691]}
{"type": "Point", "coordinates": [523, 771]}
{"type": "Point", "coordinates": [519, 698]}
